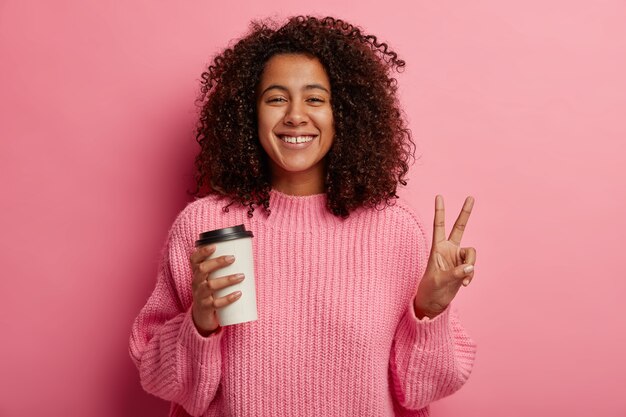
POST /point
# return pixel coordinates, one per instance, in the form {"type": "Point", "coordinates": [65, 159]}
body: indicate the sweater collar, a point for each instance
{"type": "Point", "coordinates": [294, 212]}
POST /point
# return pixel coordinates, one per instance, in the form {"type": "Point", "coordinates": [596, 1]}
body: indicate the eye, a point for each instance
{"type": "Point", "coordinates": [316, 99]}
{"type": "Point", "coordinates": [276, 99]}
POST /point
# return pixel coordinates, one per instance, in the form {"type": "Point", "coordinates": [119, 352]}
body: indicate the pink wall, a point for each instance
{"type": "Point", "coordinates": [520, 104]}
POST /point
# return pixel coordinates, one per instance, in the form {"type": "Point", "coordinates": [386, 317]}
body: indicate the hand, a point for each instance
{"type": "Point", "coordinates": [449, 266]}
{"type": "Point", "coordinates": [204, 302]}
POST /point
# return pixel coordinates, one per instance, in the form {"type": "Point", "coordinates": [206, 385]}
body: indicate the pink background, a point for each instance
{"type": "Point", "coordinates": [520, 104]}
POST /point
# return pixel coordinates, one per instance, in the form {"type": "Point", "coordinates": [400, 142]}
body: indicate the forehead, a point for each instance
{"type": "Point", "coordinates": [294, 70]}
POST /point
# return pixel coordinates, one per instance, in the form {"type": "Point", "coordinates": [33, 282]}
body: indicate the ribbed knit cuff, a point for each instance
{"type": "Point", "coordinates": [200, 347]}
{"type": "Point", "coordinates": [429, 333]}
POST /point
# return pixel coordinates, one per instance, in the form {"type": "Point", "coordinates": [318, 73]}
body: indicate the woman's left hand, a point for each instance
{"type": "Point", "coordinates": [449, 265]}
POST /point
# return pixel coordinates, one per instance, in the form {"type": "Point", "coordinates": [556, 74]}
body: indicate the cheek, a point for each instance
{"type": "Point", "coordinates": [329, 124]}
{"type": "Point", "coordinates": [261, 122]}
{"type": "Point", "coordinates": [330, 120]}
{"type": "Point", "coordinates": [325, 120]}
{"type": "Point", "coordinates": [267, 123]}
{"type": "Point", "coordinates": [264, 131]}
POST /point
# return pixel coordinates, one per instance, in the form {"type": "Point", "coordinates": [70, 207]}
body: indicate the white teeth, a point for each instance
{"type": "Point", "coordinates": [297, 139]}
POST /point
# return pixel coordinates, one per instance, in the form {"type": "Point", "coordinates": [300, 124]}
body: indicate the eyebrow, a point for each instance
{"type": "Point", "coordinates": [306, 87]}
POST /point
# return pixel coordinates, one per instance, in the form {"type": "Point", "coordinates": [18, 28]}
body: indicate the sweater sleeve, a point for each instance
{"type": "Point", "coordinates": [175, 362]}
{"type": "Point", "coordinates": [430, 359]}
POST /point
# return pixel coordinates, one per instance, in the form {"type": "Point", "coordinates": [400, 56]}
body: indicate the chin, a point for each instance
{"type": "Point", "coordinates": [294, 169]}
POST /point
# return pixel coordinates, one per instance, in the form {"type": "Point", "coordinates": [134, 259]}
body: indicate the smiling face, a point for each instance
{"type": "Point", "coordinates": [295, 121]}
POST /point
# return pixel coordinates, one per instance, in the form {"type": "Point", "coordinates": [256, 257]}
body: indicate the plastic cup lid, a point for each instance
{"type": "Point", "coordinates": [220, 235]}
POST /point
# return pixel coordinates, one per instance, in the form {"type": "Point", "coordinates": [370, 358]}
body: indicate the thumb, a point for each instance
{"type": "Point", "coordinates": [463, 273]}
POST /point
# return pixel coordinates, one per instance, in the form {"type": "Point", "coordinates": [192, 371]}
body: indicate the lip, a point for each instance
{"type": "Point", "coordinates": [294, 133]}
{"type": "Point", "coordinates": [296, 146]}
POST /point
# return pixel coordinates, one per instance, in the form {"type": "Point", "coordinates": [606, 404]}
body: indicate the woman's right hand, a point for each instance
{"type": "Point", "coordinates": [204, 301]}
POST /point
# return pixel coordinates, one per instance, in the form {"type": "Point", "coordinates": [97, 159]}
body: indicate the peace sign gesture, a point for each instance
{"type": "Point", "coordinates": [449, 265]}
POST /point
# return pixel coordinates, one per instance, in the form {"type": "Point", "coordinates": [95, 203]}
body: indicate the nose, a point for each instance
{"type": "Point", "coordinates": [295, 114]}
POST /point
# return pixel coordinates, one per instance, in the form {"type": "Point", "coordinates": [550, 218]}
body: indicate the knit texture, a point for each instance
{"type": "Point", "coordinates": [337, 334]}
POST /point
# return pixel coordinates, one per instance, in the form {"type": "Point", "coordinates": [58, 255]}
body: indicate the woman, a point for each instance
{"type": "Point", "coordinates": [354, 310]}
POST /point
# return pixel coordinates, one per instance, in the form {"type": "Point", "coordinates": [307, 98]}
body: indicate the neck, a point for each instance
{"type": "Point", "coordinates": [299, 183]}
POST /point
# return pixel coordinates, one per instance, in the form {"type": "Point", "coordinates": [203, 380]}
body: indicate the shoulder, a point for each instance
{"type": "Point", "coordinates": [210, 204]}
{"type": "Point", "coordinates": [200, 207]}
{"type": "Point", "coordinates": [401, 213]}
{"type": "Point", "coordinates": [207, 213]}
{"type": "Point", "coordinates": [405, 221]}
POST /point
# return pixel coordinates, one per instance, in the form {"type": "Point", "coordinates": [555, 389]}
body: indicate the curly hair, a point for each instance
{"type": "Point", "coordinates": [372, 145]}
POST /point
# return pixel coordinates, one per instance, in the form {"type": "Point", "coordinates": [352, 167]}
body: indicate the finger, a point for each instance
{"type": "Point", "coordinates": [468, 279]}
{"type": "Point", "coordinates": [204, 269]}
{"type": "Point", "coordinates": [459, 226]}
{"type": "Point", "coordinates": [226, 300]}
{"type": "Point", "coordinates": [207, 302]}
{"type": "Point", "coordinates": [439, 228]}
{"type": "Point", "coordinates": [204, 296]}
{"type": "Point", "coordinates": [468, 255]}
{"type": "Point", "coordinates": [201, 253]}
{"type": "Point", "coordinates": [469, 258]}
{"type": "Point", "coordinates": [462, 271]}
{"type": "Point", "coordinates": [215, 284]}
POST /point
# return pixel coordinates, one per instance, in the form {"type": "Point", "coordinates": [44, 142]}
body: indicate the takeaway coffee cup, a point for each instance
{"type": "Point", "coordinates": [236, 241]}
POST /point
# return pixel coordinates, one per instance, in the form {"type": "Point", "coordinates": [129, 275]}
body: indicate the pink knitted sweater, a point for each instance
{"type": "Point", "coordinates": [336, 335]}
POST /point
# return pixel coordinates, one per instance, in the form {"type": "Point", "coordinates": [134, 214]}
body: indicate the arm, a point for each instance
{"type": "Point", "coordinates": [431, 355]}
{"type": "Point", "coordinates": [175, 362]}
{"type": "Point", "coordinates": [430, 358]}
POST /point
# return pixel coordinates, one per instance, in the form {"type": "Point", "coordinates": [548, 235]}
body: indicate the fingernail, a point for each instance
{"type": "Point", "coordinates": [466, 282]}
{"type": "Point", "coordinates": [239, 277]}
{"type": "Point", "coordinates": [236, 294]}
{"type": "Point", "coordinates": [229, 258]}
{"type": "Point", "coordinates": [468, 269]}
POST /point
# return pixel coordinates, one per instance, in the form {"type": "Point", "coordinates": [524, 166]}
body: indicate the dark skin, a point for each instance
{"type": "Point", "coordinates": [449, 265]}
{"type": "Point", "coordinates": [205, 303]}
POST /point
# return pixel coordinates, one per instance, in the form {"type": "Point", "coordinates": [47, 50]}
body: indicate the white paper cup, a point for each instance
{"type": "Point", "coordinates": [236, 241]}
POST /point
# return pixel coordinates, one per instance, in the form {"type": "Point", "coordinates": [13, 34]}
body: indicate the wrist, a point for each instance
{"type": "Point", "coordinates": [429, 311]}
{"type": "Point", "coordinates": [202, 331]}
{"type": "Point", "coordinates": [205, 332]}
